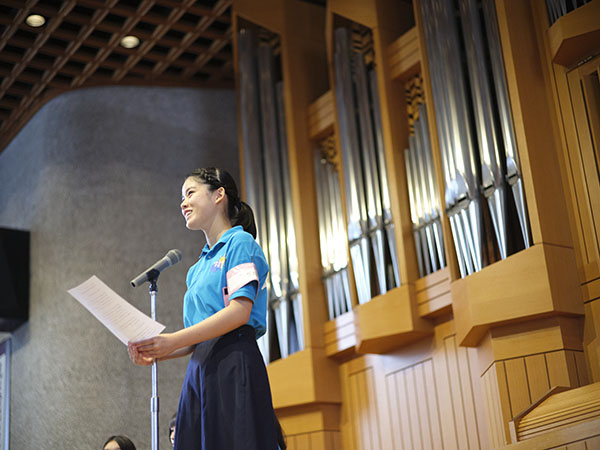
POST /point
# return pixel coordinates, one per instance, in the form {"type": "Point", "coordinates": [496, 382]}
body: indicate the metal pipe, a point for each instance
{"type": "Point", "coordinates": [369, 165]}
{"type": "Point", "coordinates": [484, 113]}
{"type": "Point", "coordinates": [434, 200]}
{"type": "Point", "coordinates": [413, 209]}
{"type": "Point", "coordinates": [513, 172]}
{"type": "Point", "coordinates": [291, 277]}
{"type": "Point", "coordinates": [458, 155]}
{"type": "Point", "coordinates": [354, 183]}
{"type": "Point", "coordinates": [274, 200]}
{"type": "Point", "coordinates": [383, 178]}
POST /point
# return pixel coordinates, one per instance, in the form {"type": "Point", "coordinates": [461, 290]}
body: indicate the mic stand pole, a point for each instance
{"type": "Point", "coordinates": [153, 289]}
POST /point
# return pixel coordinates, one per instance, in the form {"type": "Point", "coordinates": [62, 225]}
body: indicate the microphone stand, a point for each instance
{"type": "Point", "coordinates": [153, 289]}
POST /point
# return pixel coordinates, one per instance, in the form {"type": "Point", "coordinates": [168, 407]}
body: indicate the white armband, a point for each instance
{"type": "Point", "coordinates": [239, 277]}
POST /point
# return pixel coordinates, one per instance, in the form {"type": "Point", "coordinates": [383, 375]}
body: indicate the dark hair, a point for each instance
{"type": "Point", "coordinates": [172, 422]}
{"type": "Point", "coordinates": [123, 441]}
{"type": "Point", "coordinates": [239, 212]}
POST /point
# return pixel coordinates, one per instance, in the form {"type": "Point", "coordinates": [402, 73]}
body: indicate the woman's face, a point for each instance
{"type": "Point", "coordinates": [198, 204]}
{"type": "Point", "coordinates": [112, 445]}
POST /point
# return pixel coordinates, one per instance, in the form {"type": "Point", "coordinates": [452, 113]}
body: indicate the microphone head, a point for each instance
{"type": "Point", "coordinates": [174, 256]}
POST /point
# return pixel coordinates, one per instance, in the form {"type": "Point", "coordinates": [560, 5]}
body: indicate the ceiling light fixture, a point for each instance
{"type": "Point", "coordinates": [130, 41]}
{"type": "Point", "coordinates": [35, 20]}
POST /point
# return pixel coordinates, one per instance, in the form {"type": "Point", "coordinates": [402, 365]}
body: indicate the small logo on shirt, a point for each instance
{"type": "Point", "coordinates": [218, 265]}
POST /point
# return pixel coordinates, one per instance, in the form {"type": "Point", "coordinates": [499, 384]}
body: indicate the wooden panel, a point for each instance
{"type": "Point", "coordinates": [518, 386]}
{"type": "Point", "coordinates": [389, 321]}
{"type": "Point", "coordinates": [435, 429]}
{"type": "Point", "coordinates": [543, 281]}
{"type": "Point", "coordinates": [362, 403]}
{"type": "Point", "coordinates": [299, 442]}
{"type": "Point", "coordinates": [445, 399]}
{"type": "Point", "coordinates": [433, 294]}
{"type": "Point", "coordinates": [593, 443]}
{"type": "Point", "coordinates": [340, 338]}
{"type": "Point", "coordinates": [575, 35]}
{"type": "Point", "coordinates": [581, 367]}
{"type": "Point", "coordinates": [307, 376]}
{"type": "Point", "coordinates": [321, 440]}
{"type": "Point", "coordinates": [455, 391]}
{"type": "Point", "coordinates": [414, 407]}
{"type": "Point", "coordinates": [494, 416]}
{"type": "Point", "coordinates": [574, 174]}
{"type": "Point", "coordinates": [425, 396]}
{"type": "Point", "coordinates": [321, 116]}
{"type": "Point", "coordinates": [560, 411]}
{"type": "Point", "coordinates": [586, 159]}
{"type": "Point", "coordinates": [522, 362]}
{"type": "Point", "coordinates": [537, 376]}
{"type": "Point", "coordinates": [533, 121]}
{"type": "Point", "coordinates": [562, 370]}
{"type": "Point", "coordinates": [404, 55]}
{"type": "Point", "coordinates": [499, 401]}
{"type": "Point", "coordinates": [530, 338]}
{"type": "Point", "coordinates": [591, 339]}
{"type": "Point", "coordinates": [588, 432]}
{"type": "Point", "coordinates": [591, 290]}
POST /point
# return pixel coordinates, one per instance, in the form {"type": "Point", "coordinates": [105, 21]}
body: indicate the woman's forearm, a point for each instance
{"type": "Point", "coordinates": [180, 352]}
{"type": "Point", "coordinates": [223, 321]}
{"type": "Point", "coordinates": [173, 345]}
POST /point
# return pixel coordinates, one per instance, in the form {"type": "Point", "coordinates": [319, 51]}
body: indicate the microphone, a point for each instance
{"type": "Point", "coordinates": [172, 257]}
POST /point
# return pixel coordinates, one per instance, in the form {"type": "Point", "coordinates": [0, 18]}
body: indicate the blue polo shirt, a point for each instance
{"type": "Point", "coordinates": [207, 288]}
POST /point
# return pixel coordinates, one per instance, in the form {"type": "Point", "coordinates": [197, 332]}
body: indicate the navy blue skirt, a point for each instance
{"type": "Point", "coordinates": [225, 401]}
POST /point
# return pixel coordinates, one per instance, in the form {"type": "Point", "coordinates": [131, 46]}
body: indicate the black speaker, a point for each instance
{"type": "Point", "coordinates": [14, 278]}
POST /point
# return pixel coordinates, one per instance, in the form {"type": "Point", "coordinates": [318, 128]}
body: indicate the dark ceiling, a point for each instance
{"type": "Point", "coordinates": [182, 43]}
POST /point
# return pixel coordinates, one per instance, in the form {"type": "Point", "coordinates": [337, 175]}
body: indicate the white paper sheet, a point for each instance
{"type": "Point", "coordinates": [125, 321]}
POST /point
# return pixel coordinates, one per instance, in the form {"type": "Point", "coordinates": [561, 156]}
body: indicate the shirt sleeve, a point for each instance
{"type": "Point", "coordinates": [246, 267]}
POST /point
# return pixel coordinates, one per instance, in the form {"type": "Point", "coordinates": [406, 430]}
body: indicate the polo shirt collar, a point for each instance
{"type": "Point", "coordinates": [222, 241]}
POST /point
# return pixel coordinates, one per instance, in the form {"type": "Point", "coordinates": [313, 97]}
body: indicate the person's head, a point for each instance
{"type": "Point", "coordinates": [172, 423]}
{"type": "Point", "coordinates": [209, 192]}
{"type": "Point", "coordinates": [118, 443]}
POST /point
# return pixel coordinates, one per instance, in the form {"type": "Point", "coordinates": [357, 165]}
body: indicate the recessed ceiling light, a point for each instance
{"type": "Point", "coordinates": [35, 20]}
{"type": "Point", "coordinates": [130, 41]}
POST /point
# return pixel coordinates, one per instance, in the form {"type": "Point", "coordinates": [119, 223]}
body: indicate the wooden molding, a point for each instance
{"type": "Point", "coordinates": [514, 424]}
{"type": "Point", "coordinates": [321, 116]}
{"type": "Point", "coordinates": [537, 139]}
{"type": "Point", "coordinates": [538, 282]}
{"type": "Point", "coordinates": [575, 35]}
{"type": "Point", "coordinates": [560, 410]}
{"type": "Point", "coordinates": [404, 55]}
{"type": "Point", "coordinates": [340, 336]}
{"type": "Point", "coordinates": [389, 321]}
{"type": "Point", "coordinates": [307, 377]}
{"type": "Point", "coordinates": [309, 418]}
{"type": "Point", "coordinates": [434, 298]}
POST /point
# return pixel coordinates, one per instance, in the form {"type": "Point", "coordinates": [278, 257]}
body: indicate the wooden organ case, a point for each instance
{"type": "Point", "coordinates": [404, 346]}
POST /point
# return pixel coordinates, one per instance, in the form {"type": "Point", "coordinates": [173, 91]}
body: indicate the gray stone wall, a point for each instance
{"type": "Point", "coordinates": [96, 177]}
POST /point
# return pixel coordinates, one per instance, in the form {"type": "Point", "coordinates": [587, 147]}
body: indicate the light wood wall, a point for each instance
{"type": "Point", "coordinates": [568, 42]}
{"type": "Point", "coordinates": [425, 396]}
{"type": "Point", "coordinates": [445, 362]}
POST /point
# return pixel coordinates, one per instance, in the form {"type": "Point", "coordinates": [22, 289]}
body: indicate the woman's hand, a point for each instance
{"type": "Point", "coordinates": [153, 348]}
{"type": "Point", "coordinates": [137, 357]}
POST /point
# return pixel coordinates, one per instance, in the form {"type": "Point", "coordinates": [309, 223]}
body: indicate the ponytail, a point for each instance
{"type": "Point", "coordinates": [245, 218]}
{"type": "Point", "coordinates": [238, 212]}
